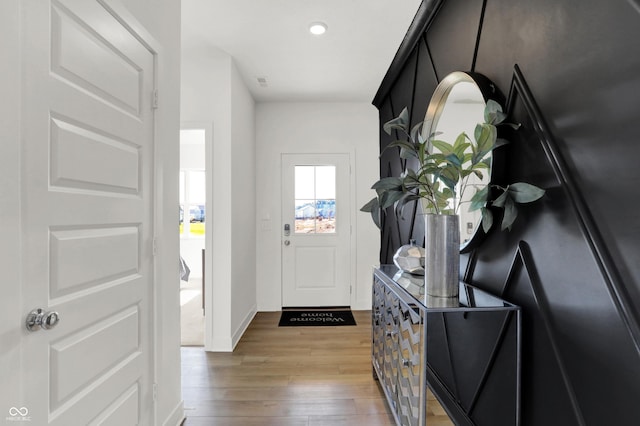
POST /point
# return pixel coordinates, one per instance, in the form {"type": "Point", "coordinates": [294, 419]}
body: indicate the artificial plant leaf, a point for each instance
{"type": "Point", "coordinates": [400, 122]}
{"type": "Point", "coordinates": [500, 142]}
{"type": "Point", "coordinates": [402, 144]}
{"type": "Point", "coordinates": [522, 192]}
{"type": "Point", "coordinates": [448, 181]}
{"type": "Point", "coordinates": [390, 198]}
{"type": "Point", "coordinates": [487, 220]}
{"type": "Point", "coordinates": [416, 132]}
{"type": "Point", "coordinates": [493, 112]}
{"type": "Point", "coordinates": [479, 199]}
{"type": "Point", "coordinates": [371, 205]}
{"type": "Point", "coordinates": [501, 200]}
{"type": "Point", "coordinates": [460, 145]}
{"type": "Point", "coordinates": [436, 158]}
{"type": "Point", "coordinates": [444, 147]}
{"type": "Point", "coordinates": [388, 183]}
{"type": "Point", "coordinates": [484, 164]}
{"type": "Point", "coordinates": [454, 160]}
{"type": "Point", "coordinates": [510, 214]}
{"type": "Point", "coordinates": [375, 215]}
{"type": "Point", "coordinates": [514, 126]}
{"type": "Point", "coordinates": [485, 135]}
{"type": "Point", "coordinates": [402, 202]}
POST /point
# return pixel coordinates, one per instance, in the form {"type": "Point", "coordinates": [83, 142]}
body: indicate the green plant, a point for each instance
{"type": "Point", "coordinates": [444, 170]}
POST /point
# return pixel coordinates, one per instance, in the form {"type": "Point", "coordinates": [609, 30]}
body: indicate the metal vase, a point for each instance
{"type": "Point", "coordinates": [442, 255]}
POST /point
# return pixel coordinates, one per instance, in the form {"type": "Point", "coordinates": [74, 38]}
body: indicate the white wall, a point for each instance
{"type": "Point", "coordinates": [162, 21]}
{"type": "Point", "coordinates": [314, 128]}
{"type": "Point", "coordinates": [213, 92]}
{"type": "Point", "coordinates": [243, 202]}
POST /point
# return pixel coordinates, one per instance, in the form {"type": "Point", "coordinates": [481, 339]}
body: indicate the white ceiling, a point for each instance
{"type": "Point", "coordinates": [270, 38]}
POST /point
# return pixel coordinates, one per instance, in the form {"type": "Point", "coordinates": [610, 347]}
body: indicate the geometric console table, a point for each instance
{"type": "Point", "coordinates": [467, 350]}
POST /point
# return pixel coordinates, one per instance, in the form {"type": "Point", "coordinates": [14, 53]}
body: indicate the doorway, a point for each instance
{"type": "Point", "coordinates": [193, 214]}
{"type": "Point", "coordinates": [316, 230]}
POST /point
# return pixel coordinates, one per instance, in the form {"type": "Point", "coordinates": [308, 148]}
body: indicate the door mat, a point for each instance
{"type": "Point", "coordinates": [294, 317]}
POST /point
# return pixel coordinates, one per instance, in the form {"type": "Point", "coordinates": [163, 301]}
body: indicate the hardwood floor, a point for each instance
{"type": "Point", "coordinates": [286, 376]}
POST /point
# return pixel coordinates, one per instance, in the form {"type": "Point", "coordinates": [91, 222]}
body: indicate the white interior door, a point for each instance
{"type": "Point", "coordinates": [87, 198]}
{"type": "Point", "coordinates": [316, 228]}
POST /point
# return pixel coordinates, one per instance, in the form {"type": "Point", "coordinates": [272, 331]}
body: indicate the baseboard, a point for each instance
{"type": "Point", "coordinates": [362, 305]}
{"type": "Point", "coordinates": [176, 417]}
{"type": "Point", "coordinates": [243, 326]}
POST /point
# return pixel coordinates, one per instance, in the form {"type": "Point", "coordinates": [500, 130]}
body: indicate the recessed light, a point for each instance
{"type": "Point", "coordinates": [318, 28]}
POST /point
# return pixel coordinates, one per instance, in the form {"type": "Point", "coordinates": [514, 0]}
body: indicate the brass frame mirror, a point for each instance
{"type": "Point", "coordinates": [456, 106]}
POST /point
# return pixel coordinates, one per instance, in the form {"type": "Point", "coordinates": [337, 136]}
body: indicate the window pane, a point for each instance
{"type": "Point", "coordinates": [304, 182]}
{"type": "Point", "coordinates": [315, 204]}
{"type": "Point", "coordinates": [326, 217]}
{"type": "Point", "coordinates": [181, 219]}
{"type": "Point", "coordinates": [325, 182]}
{"type": "Point", "coordinates": [305, 216]}
{"type": "Point", "coordinates": [197, 220]}
{"type": "Point", "coordinates": [197, 187]}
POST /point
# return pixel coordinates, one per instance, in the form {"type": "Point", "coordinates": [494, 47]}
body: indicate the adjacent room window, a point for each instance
{"type": "Point", "coordinates": [192, 183]}
{"type": "Point", "coordinates": [315, 199]}
{"type": "Point", "coordinates": [192, 203]}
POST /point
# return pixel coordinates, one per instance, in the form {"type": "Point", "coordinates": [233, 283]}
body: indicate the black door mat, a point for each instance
{"type": "Point", "coordinates": [295, 317]}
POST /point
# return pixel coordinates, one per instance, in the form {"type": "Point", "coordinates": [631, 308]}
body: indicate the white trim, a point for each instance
{"type": "Point", "coordinates": [208, 236]}
{"type": "Point", "coordinates": [243, 326]}
{"type": "Point", "coordinates": [176, 417]}
{"type": "Point", "coordinates": [352, 217]}
{"type": "Point", "coordinates": [120, 12]}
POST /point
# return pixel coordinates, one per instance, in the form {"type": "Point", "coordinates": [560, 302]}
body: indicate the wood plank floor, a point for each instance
{"type": "Point", "coordinates": [285, 376]}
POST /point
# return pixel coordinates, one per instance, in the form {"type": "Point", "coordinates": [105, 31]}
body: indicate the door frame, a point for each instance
{"type": "Point", "coordinates": [208, 236]}
{"type": "Point", "coordinates": [352, 218]}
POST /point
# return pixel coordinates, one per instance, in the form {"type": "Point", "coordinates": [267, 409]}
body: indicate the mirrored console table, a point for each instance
{"type": "Point", "coordinates": [466, 349]}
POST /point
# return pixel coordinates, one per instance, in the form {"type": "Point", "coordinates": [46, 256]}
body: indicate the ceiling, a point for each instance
{"type": "Point", "coordinates": [270, 39]}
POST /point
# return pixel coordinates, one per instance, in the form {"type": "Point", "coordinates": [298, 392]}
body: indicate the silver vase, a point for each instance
{"type": "Point", "coordinates": [442, 255]}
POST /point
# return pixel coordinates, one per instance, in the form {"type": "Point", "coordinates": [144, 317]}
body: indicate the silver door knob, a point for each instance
{"type": "Point", "coordinates": [287, 242]}
{"type": "Point", "coordinates": [38, 318]}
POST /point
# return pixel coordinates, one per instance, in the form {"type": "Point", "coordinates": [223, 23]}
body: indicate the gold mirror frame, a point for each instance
{"type": "Point", "coordinates": [439, 101]}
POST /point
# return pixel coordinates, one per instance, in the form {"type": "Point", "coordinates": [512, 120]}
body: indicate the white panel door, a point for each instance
{"type": "Point", "coordinates": [87, 198]}
{"type": "Point", "coordinates": [316, 227]}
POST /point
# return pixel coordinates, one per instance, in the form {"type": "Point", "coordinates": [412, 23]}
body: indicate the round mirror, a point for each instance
{"type": "Point", "coordinates": [456, 107]}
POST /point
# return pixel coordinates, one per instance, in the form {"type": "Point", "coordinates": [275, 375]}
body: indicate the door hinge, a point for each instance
{"type": "Point", "coordinates": [154, 99]}
{"type": "Point", "coordinates": [155, 391]}
{"type": "Point", "coordinates": [154, 247]}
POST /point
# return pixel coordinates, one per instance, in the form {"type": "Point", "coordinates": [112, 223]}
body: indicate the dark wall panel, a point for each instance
{"type": "Point", "coordinates": [456, 25]}
{"type": "Point", "coordinates": [571, 71]}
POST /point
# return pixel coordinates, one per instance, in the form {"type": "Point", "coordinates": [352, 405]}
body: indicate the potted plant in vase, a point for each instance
{"type": "Point", "coordinates": [441, 182]}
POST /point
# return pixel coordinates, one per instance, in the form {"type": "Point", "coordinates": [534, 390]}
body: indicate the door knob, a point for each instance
{"type": "Point", "coordinates": [38, 318]}
{"type": "Point", "coordinates": [287, 242]}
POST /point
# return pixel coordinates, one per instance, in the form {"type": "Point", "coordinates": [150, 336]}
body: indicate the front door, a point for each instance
{"type": "Point", "coordinates": [315, 230]}
{"type": "Point", "coordinates": [87, 198]}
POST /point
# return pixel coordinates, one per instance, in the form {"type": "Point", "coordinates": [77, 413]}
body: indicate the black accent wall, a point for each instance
{"type": "Point", "coordinates": [570, 73]}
